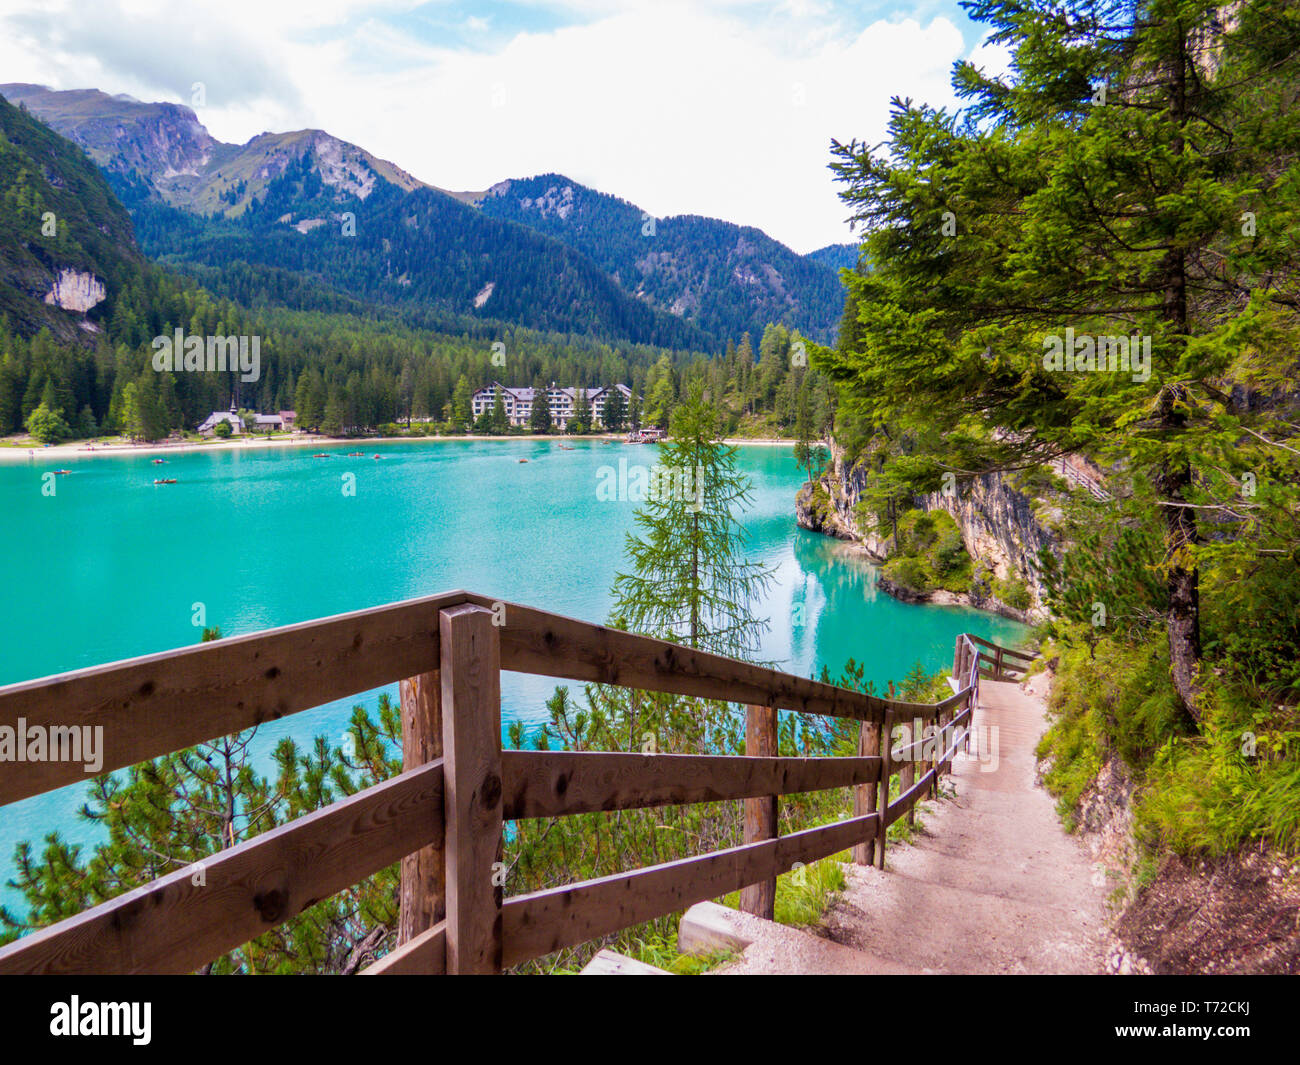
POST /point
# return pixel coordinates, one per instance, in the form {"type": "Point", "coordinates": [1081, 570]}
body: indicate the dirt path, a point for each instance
{"type": "Point", "coordinates": [991, 883]}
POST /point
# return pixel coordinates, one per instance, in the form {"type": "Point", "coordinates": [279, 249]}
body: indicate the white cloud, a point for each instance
{"type": "Point", "coordinates": [724, 109]}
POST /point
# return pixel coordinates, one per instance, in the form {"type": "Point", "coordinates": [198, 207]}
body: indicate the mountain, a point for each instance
{"type": "Point", "coordinates": [722, 277]}
{"type": "Point", "coordinates": [545, 252]}
{"type": "Point", "coordinates": [66, 244]}
{"type": "Point", "coordinates": [167, 146]}
{"type": "Point", "coordinates": [836, 256]}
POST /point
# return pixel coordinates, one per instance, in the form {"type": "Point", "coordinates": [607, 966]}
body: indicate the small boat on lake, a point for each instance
{"type": "Point", "coordinates": [61, 472]}
{"type": "Point", "coordinates": [160, 462]}
{"type": "Point", "coordinates": [320, 455]}
{"type": "Point", "coordinates": [166, 480]}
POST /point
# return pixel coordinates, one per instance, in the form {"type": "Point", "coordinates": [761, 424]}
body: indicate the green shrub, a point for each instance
{"type": "Point", "coordinates": [47, 426]}
{"type": "Point", "coordinates": [1209, 792]}
{"type": "Point", "coordinates": [908, 572]}
{"type": "Point", "coordinates": [931, 553]}
{"type": "Point", "coordinates": [1014, 592]}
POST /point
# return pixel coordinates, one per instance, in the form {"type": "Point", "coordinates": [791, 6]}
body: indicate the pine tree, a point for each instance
{"type": "Point", "coordinates": [581, 421]}
{"type": "Point", "coordinates": [500, 421]}
{"type": "Point", "coordinates": [615, 412]}
{"type": "Point", "coordinates": [462, 405]}
{"type": "Point", "coordinates": [806, 454]}
{"type": "Point", "coordinates": [334, 421]}
{"type": "Point", "coordinates": [689, 579]}
{"type": "Point", "coordinates": [1135, 180]}
{"type": "Point", "coordinates": [539, 418]}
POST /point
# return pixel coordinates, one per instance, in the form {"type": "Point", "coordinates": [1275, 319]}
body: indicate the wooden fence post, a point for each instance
{"type": "Point", "coordinates": [424, 873]}
{"type": "Point", "coordinates": [761, 812]}
{"type": "Point", "coordinates": [864, 795]}
{"type": "Point", "coordinates": [971, 700]}
{"type": "Point", "coordinates": [940, 745]}
{"type": "Point", "coordinates": [907, 772]}
{"type": "Point", "coordinates": [472, 787]}
{"type": "Point", "coordinates": [882, 806]}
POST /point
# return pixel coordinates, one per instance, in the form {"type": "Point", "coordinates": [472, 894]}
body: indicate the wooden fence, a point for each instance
{"type": "Point", "coordinates": [442, 817]}
{"type": "Point", "coordinates": [1000, 663]}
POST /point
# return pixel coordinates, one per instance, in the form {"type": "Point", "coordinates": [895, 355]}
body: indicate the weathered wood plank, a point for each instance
{"type": "Point", "coordinates": [864, 795]}
{"type": "Point", "coordinates": [886, 767]}
{"type": "Point", "coordinates": [423, 901]}
{"type": "Point", "coordinates": [182, 921]}
{"type": "Point", "coordinates": [908, 754]}
{"type": "Point", "coordinates": [151, 706]}
{"type": "Point", "coordinates": [909, 798]}
{"type": "Point", "coordinates": [547, 921]}
{"type": "Point", "coordinates": [471, 708]}
{"type": "Point", "coordinates": [549, 645]}
{"type": "Point", "coordinates": [423, 955]}
{"type": "Point", "coordinates": [558, 783]}
{"type": "Point", "coordinates": [761, 811]}
{"type": "Point", "coordinates": [1028, 656]}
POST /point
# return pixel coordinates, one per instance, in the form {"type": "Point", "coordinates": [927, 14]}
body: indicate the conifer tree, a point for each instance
{"type": "Point", "coordinates": [500, 421]}
{"type": "Point", "coordinates": [462, 407]}
{"type": "Point", "coordinates": [581, 421]}
{"type": "Point", "coordinates": [615, 412]}
{"type": "Point", "coordinates": [1134, 179]}
{"type": "Point", "coordinates": [539, 418]}
{"type": "Point", "coordinates": [688, 578]}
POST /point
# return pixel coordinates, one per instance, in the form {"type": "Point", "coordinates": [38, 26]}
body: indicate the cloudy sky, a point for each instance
{"type": "Point", "coordinates": [713, 107]}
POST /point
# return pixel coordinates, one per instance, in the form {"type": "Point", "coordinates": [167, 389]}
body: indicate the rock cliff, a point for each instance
{"type": "Point", "coordinates": [76, 290]}
{"type": "Point", "coordinates": [1002, 525]}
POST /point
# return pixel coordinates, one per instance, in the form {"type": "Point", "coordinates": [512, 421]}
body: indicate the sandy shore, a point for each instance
{"type": "Point", "coordinates": [82, 450]}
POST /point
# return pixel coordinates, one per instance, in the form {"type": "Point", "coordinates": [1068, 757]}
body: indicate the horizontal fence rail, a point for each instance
{"type": "Point", "coordinates": [443, 816]}
{"type": "Point", "coordinates": [1001, 663]}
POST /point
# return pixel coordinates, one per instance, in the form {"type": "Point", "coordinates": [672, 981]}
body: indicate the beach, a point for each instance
{"type": "Point", "coordinates": [16, 453]}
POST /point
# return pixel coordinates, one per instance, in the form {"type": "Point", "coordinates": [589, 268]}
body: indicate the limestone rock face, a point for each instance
{"type": "Point", "coordinates": [998, 523]}
{"type": "Point", "coordinates": [76, 290]}
{"type": "Point", "coordinates": [830, 510]}
{"type": "Point", "coordinates": [999, 526]}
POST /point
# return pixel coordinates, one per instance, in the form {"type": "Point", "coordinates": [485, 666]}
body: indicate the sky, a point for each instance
{"type": "Point", "coordinates": [723, 108]}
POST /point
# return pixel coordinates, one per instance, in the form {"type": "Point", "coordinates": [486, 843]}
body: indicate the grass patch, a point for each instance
{"type": "Point", "coordinates": [662, 952]}
{"type": "Point", "coordinates": [1233, 782]}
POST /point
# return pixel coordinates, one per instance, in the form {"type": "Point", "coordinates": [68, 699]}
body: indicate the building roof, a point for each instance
{"type": "Point", "coordinates": [221, 416]}
{"type": "Point", "coordinates": [527, 394]}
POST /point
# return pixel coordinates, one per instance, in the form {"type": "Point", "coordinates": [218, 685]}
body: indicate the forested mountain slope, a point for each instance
{"type": "Point", "coordinates": [725, 278]}
{"type": "Point", "coordinates": [543, 253]}
{"type": "Point", "coordinates": [66, 244]}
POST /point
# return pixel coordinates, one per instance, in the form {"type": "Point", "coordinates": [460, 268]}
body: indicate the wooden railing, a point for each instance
{"type": "Point", "coordinates": [1000, 663]}
{"type": "Point", "coordinates": [442, 817]}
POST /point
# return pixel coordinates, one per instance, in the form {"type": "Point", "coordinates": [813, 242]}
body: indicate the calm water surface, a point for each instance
{"type": "Point", "coordinates": [113, 566]}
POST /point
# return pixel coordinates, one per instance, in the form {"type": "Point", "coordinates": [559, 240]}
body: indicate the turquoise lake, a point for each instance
{"type": "Point", "coordinates": [112, 566]}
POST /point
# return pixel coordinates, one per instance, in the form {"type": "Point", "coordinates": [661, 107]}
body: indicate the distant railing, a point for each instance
{"type": "Point", "coordinates": [1000, 663]}
{"type": "Point", "coordinates": [443, 815]}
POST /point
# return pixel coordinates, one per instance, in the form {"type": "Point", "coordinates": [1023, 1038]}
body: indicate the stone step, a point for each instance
{"type": "Point", "coordinates": [611, 963]}
{"type": "Point", "coordinates": [768, 948]}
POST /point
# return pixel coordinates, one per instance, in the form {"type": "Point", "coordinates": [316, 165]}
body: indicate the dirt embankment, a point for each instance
{"type": "Point", "coordinates": [1236, 914]}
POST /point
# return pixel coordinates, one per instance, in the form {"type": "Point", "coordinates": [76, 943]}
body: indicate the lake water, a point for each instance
{"type": "Point", "coordinates": [112, 566]}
